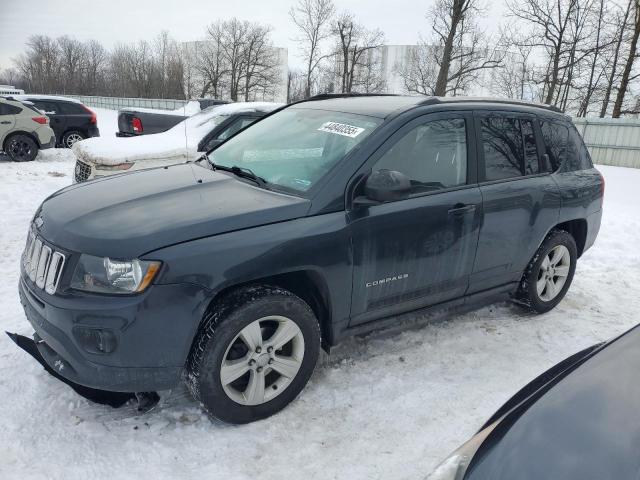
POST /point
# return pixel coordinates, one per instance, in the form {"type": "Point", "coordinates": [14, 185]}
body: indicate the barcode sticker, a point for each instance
{"type": "Point", "coordinates": [341, 129]}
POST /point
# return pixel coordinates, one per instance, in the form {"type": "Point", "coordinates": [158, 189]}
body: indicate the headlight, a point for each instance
{"type": "Point", "coordinates": [104, 275]}
{"type": "Point", "coordinates": [455, 466]}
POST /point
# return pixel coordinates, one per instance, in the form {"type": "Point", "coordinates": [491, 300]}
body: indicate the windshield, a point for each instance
{"type": "Point", "coordinates": [295, 147]}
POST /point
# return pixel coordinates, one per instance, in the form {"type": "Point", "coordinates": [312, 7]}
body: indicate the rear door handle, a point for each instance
{"type": "Point", "coordinates": [5, 123]}
{"type": "Point", "coordinates": [460, 209]}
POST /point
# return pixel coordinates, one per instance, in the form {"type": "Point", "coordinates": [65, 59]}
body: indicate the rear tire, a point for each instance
{"type": "Point", "coordinates": [71, 137]}
{"type": "Point", "coordinates": [550, 273]}
{"type": "Point", "coordinates": [21, 148]}
{"type": "Point", "coordinates": [253, 355]}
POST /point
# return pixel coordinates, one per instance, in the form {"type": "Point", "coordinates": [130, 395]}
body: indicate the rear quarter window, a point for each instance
{"type": "Point", "coordinates": [6, 109]}
{"type": "Point", "coordinates": [71, 108]}
{"type": "Point", "coordinates": [578, 157]}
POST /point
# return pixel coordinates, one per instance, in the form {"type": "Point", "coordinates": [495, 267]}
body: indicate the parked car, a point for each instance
{"type": "Point", "coordinates": [186, 141]}
{"type": "Point", "coordinates": [71, 120]}
{"type": "Point", "coordinates": [578, 420]}
{"type": "Point", "coordinates": [133, 121]}
{"type": "Point", "coordinates": [327, 218]}
{"type": "Point", "coordinates": [23, 130]}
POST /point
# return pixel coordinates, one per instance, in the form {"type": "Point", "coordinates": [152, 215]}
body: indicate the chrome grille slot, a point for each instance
{"type": "Point", "coordinates": [53, 275]}
{"type": "Point", "coordinates": [35, 258]}
{"type": "Point", "coordinates": [42, 264]}
{"type": "Point", "coordinates": [82, 171]}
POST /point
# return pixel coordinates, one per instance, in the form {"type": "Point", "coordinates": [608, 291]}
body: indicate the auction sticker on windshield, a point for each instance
{"type": "Point", "coordinates": [341, 129]}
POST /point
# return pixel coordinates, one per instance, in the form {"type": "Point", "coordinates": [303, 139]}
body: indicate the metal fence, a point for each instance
{"type": "Point", "coordinates": [115, 103]}
{"type": "Point", "coordinates": [611, 141]}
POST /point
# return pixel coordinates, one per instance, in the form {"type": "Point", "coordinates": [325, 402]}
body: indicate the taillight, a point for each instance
{"type": "Point", "coordinates": [41, 120]}
{"type": "Point", "coordinates": [94, 119]}
{"type": "Point", "coordinates": [601, 184]}
{"type": "Point", "coordinates": [136, 123]}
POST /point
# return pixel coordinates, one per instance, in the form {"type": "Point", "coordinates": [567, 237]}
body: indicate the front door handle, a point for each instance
{"type": "Point", "coordinates": [460, 209]}
{"type": "Point", "coordinates": [5, 123]}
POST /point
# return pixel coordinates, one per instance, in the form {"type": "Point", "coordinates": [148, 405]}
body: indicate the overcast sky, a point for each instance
{"type": "Point", "coordinates": [113, 21]}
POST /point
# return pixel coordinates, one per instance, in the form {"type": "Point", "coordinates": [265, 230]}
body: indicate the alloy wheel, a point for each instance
{"type": "Point", "coordinates": [20, 149]}
{"type": "Point", "coordinates": [262, 360]}
{"type": "Point", "coordinates": [553, 273]}
{"type": "Point", "coordinates": [72, 138]}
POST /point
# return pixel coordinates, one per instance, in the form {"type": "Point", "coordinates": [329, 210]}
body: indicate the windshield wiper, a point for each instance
{"type": "Point", "coordinates": [240, 172]}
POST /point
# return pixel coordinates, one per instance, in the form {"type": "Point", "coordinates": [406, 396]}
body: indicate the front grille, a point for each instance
{"type": "Point", "coordinates": [82, 171]}
{"type": "Point", "coordinates": [42, 264]}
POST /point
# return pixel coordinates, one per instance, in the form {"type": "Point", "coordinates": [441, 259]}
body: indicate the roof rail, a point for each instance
{"type": "Point", "coordinates": [327, 96]}
{"type": "Point", "coordinates": [439, 100]}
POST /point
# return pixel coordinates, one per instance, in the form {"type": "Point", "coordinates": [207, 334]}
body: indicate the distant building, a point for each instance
{"type": "Point", "coordinates": [10, 90]}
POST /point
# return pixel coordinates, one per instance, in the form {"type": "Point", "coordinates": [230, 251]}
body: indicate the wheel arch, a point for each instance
{"type": "Point", "coordinates": [577, 228]}
{"type": "Point", "coordinates": [21, 132]}
{"type": "Point", "coordinates": [309, 285]}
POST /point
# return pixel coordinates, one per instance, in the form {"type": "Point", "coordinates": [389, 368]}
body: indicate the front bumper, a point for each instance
{"type": "Point", "coordinates": [153, 334]}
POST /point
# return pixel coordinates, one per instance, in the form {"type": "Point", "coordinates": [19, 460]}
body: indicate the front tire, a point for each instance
{"type": "Point", "coordinates": [72, 137]}
{"type": "Point", "coordinates": [253, 355]}
{"type": "Point", "coordinates": [21, 148]}
{"type": "Point", "coordinates": [550, 272]}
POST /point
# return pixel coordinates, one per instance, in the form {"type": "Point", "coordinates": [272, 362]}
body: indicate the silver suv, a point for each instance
{"type": "Point", "coordinates": [23, 130]}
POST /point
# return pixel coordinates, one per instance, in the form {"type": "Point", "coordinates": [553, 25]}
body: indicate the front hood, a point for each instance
{"type": "Point", "coordinates": [125, 216]}
{"type": "Point", "coordinates": [584, 425]}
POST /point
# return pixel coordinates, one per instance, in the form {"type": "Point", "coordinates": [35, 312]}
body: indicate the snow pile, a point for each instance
{"type": "Point", "coordinates": [179, 143]}
{"type": "Point", "coordinates": [385, 406]}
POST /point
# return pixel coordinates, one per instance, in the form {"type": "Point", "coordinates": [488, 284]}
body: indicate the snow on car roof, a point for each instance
{"type": "Point", "coordinates": [178, 142]}
{"type": "Point", "coordinates": [28, 96]}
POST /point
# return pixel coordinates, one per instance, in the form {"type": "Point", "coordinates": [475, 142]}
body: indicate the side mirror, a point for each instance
{"type": "Point", "coordinates": [210, 145]}
{"type": "Point", "coordinates": [386, 186]}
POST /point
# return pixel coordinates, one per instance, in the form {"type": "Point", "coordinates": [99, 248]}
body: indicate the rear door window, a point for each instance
{"type": "Point", "coordinates": [49, 108]}
{"type": "Point", "coordinates": [555, 136]}
{"type": "Point", "coordinates": [503, 147]}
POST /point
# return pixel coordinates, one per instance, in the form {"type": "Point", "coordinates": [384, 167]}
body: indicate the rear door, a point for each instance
{"type": "Point", "coordinates": [7, 119]}
{"type": "Point", "coordinates": [520, 199]}
{"type": "Point", "coordinates": [419, 250]}
{"type": "Point", "coordinates": [57, 119]}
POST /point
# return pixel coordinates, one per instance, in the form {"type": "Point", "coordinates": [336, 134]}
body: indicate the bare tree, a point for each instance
{"type": "Point", "coordinates": [631, 58]}
{"type": "Point", "coordinates": [313, 19]}
{"type": "Point", "coordinates": [212, 63]}
{"type": "Point", "coordinates": [515, 79]}
{"type": "Point", "coordinates": [451, 61]}
{"type": "Point", "coordinates": [296, 86]}
{"type": "Point", "coordinates": [463, 48]}
{"type": "Point", "coordinates": [355, 42]}
{"type": "Point", "coordinates": [620, 25]}
{"type": "Point", "coordinates": [557, 28]}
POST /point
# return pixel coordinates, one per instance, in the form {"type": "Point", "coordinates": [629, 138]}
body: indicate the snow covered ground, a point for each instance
{"type": "Point", "coordinates": [390, 405]}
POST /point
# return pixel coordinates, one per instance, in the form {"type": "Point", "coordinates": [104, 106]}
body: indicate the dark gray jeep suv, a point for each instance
{"type": "Point", "coordinates": [326, 218]}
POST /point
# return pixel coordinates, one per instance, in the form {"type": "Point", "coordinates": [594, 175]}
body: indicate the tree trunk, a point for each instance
{"type": "Point", "coordinates": [443, 73]}
{"type": "Point", "coordinates": [626, 73]}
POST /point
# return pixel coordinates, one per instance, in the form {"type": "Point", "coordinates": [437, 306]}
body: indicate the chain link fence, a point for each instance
{"type": "Point", "coordinates": [116, 103]}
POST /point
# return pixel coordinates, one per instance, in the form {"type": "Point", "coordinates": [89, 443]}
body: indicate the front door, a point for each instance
{"type": "Point", "coordinates": [419, 250]}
